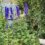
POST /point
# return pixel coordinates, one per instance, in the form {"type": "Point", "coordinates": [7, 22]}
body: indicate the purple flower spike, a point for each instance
{"type": "Point", "coordinates": [11, 16]}
{"type": "Point", "coordinates": [18, 10]}
{"type": "Point", "coordinates": [25, 8]}
{"type": "Point", "coordinates": [11, 10]}
{"type": "Point", "coordinates": [6, 12]}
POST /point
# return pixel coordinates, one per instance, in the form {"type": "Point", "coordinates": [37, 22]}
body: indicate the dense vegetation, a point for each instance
{"type": "Point", "coordinates": [36, 15]}
{"type": "Point", "coordinates": [26, 30]}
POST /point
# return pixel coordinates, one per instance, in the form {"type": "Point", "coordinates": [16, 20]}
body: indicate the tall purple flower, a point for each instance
{"type": "Point", "coordinates": [11, 15]}
{"type": "Point", "coordinates": [11, 10]}
{"type": "Point", "coordinates": [25, 8]}
{"type": "Point", "coordinates": [6, 12]}
{"type": "Point", "coordinates": [18, 10]}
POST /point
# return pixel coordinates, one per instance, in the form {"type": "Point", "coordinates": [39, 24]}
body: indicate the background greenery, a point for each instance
{"type": "Point", "coordinates": [26, 30]}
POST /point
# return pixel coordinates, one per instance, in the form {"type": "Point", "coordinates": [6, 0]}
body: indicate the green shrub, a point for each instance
{"type": "Point", "coordinates": [22, 36]}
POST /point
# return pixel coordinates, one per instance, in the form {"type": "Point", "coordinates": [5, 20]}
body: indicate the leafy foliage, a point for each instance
{"type": "Point", "coordinates": [25, 29]}
{"type": "Point", "coordinates": [36, 15]}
